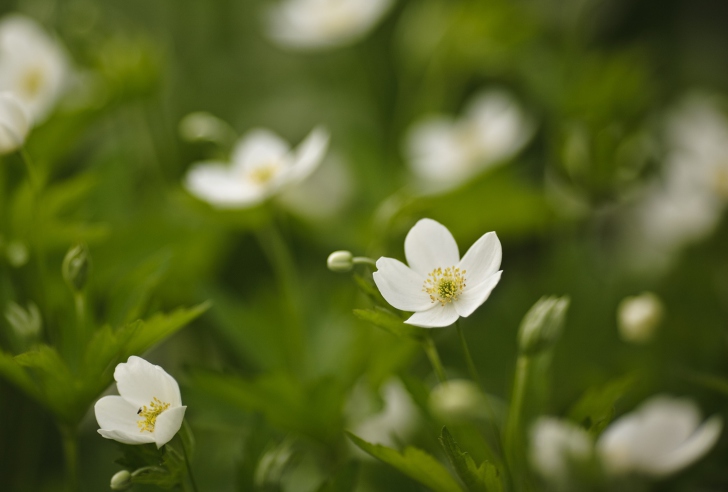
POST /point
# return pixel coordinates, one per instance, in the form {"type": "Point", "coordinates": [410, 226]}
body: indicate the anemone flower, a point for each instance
{"type": "Point", "coordinates": [148, 409]}
{"type": "Point", "coordinates": [438, 286]}
{"type": "Point", "coordinates": [262, 165]}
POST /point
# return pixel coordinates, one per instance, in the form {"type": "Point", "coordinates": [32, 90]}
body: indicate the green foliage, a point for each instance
{"type": "Point", "coordinates": [344, 480]}
{"type": "Point", "coordinates": [388, 321]}
{"type": "Point", "coordinates": [483, 478]}
{"type": "Point", "coordinates": [595, 409]}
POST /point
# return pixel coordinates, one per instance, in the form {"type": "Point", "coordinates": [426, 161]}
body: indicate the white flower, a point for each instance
{"type": "Point", "coordinates": [320, 24]}
{"type": "Point", "coordinates": [444, 153]}
{"type": "Point", "coordinates": [638, 317]}
{"type": "Point", "coordinates": [149, 408]}
{"type": "Point", "coordinates": [556, 447]}
{"type": "Point", "coordinates": [438, 286]}
{"type": "Point", "coordinates": [661, 437]}
{"type": "Point", "coordinates": [262, 165]}
{"type": "Point", "coordinates": [14, 123]}
{"type": "Point", "coordinates": [32, 65]}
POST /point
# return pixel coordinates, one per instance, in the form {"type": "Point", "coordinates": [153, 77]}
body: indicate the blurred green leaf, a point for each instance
{"type": "Point", "coordinates": [390, 322]}
{"type": "Point", "coordinates": [344, 480]}
{"type": "Point", "coordinates": [595, 409]}
{"type": "Point", "coordinates": [484, 478]}
{"type": "Point", "coordinates": [414, 463]}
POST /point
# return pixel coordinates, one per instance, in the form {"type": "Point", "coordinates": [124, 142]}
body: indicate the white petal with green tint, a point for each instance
{"type": "Point", "coordinates": [430, 245]}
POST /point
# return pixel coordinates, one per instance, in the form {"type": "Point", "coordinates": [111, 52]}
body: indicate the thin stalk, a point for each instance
{"type": "Point", "coordinates": [363, 260]}
{"type": "Point", "coordinates": [70, 453]}
{"type": "Point", "coordinates": [466, 352]}
{"type": "Point", "coordinates": [513, 435]}
{"type": "Point", "coordinates": [187, 464]}
{"type": "Point", "coordinates": [431, 350]}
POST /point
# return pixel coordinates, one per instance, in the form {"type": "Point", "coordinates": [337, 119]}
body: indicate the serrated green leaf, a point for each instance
{"type": "Point", "coordinates": [484, 478]}
{"type": "Point", "coordinates": [390, 322]}
{"type": "Point", "coordinates": [414, 463]}
{"type": "Point", "coordinates": [595, 409]}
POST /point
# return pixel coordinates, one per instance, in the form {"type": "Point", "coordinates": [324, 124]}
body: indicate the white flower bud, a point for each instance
{"type": "Point", "coordinates": [340, 261]}
{"type": "Point", "coordinates": [458, 400]}
{"type": "Point", "coordinates": [75, 267]}
{"type": "Point", "coordinates": [26, 323]}
{"type": "Point", "coordinates": [542, 325]}
{"type": "Point", "coordinates": [638, 317]}
{"type": "Point", "coordinates": [202, 126]}
{"type": "Point", "coordinates": [121, 480]}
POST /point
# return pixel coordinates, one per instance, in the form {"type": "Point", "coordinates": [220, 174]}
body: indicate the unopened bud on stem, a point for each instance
{"type": "Point", "coordinates": [121, 480]}
{"type": "Point", "coordinates": [340, 261]}
{"type": "Point", "coordinates": [76, 266]}
{"type": "Point", "coordinates": [638, 317]}
{"type": "Point", "coordinates": [542, 325]}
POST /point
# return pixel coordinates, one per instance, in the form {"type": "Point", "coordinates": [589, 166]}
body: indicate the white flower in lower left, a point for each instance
{"type": "Point", "coordinates": [148, 409]}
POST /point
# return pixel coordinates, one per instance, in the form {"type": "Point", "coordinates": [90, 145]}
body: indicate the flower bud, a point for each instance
{"type": "Point", "coordinates": [458, 400]}
{"type": "Point", "coordinates": [14, 123]}
{"type": "Point", "coordinates": [75, 267]}
{"type": "Point", "coordinates": [638, 317]}
{"type": "Point", "coordinates": [202, 126]}
{"type": "Point", "coordinates": [340, 261]}
{"type": "Point", "coordinates": [542, 325]}
{"type": "Point", "coordinates": [26, 323]}
{"type": "Point", "coordinates": [121, 480]}
{"type": "Point", "coordinates": [17, 253]}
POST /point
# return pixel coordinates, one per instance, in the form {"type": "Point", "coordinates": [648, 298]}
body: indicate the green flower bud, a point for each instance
{"type": "Point", "coordinates": [121, 480]}
{"type": "Point", "coordinates": [458, 400]}
{"type": "Point", "coordinates": [201, 126]}
{"type": "Point", "coordinates": [542, 325]}
{"type": "Point", "coordinates": [76, 267]}
{"type": "Point", "coordinates": [340, 261]}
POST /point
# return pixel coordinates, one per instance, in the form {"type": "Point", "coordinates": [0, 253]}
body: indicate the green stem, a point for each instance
{"type": "Point", "coordinates": [466, 352]}
{"type": "Point", "coordinates": [431, 350]}
{"type": "Point", "coordinates": [32, 173]}
{"type": "Point", "coordinates": [70, 453]}
{"type": "Point", "coordinates": [513, 436]}
{"type": "Point", "coordinates": [187, 464]}
{"type": "Point", "coordinates": [363, 260]}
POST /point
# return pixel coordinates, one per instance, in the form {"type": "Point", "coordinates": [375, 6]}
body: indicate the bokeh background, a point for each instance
{"type": "Point", "coordinates": [614, 90]}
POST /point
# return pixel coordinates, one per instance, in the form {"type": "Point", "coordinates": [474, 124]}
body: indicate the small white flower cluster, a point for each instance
{"type": "Point", "coordinates": [34, 70]}
{"type": "Point", "coordinates": [660, 438]}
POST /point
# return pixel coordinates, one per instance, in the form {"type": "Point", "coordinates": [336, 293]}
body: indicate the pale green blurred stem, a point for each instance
{"type": "Point", "coordinates": [187, 464]}
{"type": "Point", "coordinates": [280, 258]}
{"type": "Point", "coordinates": [80, 303]}
{"type": "Point", "coordinates": [431, 350]}
{"type": "Point", "coordinates": [513, 435]}
{"type": "Point", "coordinates": [32, 173]}
{"type": "Point", "coordinates": [466, 352]}
{"type": "Point", "coordinates": [70, 453]}
{"type": "Point", "coordinates": [363, 260]}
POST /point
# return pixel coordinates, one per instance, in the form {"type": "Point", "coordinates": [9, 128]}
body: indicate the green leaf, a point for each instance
{"type": "Point", "coordinates": [484, 478]}
{"type": "Point", "coordinates": [344, 480]}
{"type": "Point", "coordinates": [390, 322]}
{"type": "Point", "coordinates": [595, 409]}
{"type": "Point", "coordinates": [414, 463]}
{"type": "Point", "coordinates": [14, 372]}
{"type": "Point", "coordinates": [163, 467]}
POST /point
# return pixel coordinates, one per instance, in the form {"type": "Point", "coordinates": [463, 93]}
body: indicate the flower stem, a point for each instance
{"type": "Point", "coordinates": [70, 453]}
{"type": "Point", "coordinates": [363, 260]}
{"type": "Point", "coordinates": [187, 464]}
{"type": "Point", "coordinates": [466, 352]}
{"type": "Point", "coordinates": [431, 350]}
{"type": "Point", "coordinates": [513, 435]}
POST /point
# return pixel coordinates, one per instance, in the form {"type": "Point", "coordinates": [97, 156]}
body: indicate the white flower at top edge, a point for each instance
{"type": "Point", "coordinates": [443, 153]}
{"type": "Point", "coordinates": [14, 123]}
{"type": "Point", "coordinates": [438, 286]}
{"type": "Point", "coordinates": [32, 65]}
{"type": "Point", "coordinates": [262, 165]}
{"type": "Point", "coordinates": [661, 437]}
{"type": "Point", "coordinates": [148, 409]}
{"type": "Point", "coordinates": [321, 24]}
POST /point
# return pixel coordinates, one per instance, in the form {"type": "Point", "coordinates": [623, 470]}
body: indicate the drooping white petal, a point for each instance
{"type": "Point", "coordinates": [309, 155]}
{"type": "Point", "coordinates": [430, 245]}
{"type": "Point", "coordinates": [214, 183]}
{"type": "Point", "coordinates": [556, 446]}
{"type": "Point", "coordinates": [694, 448]}
{"type": "Point", "coordinates": [436, 317]}
{"type": "Point", "coordinates": [127, 437]}
{"type": "Point", "coordinates": [475, 295]}
{"type": "Point", "coordinates": [167, 425]}
{"type": "Point", "coordinates": [483, 259]}
{"type": "Point", "coordinates": [139, 382]}
{"type": "Point", "coordinates": [401, 286]}
{"type": "Point", "coordinates": [14, 123]}
{"type": "Point", "coordinates": [259, 147]}
{"type": "Point", "coordinates": [114, 413]}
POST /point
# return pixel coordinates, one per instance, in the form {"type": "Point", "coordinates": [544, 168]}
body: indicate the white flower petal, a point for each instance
{"type": "Point", "coordinates": [309, 155]}
{"type": "Point", "coordinates": [114, 413]}
{"type": "Point", "coordinates": [258, 147]}
{"type": "Point", "coordinates": [436, 317]}
{"type": "Point", "coordinates": [702, 441]}
{"type": "Point", "coordinates": [214, 183]}
{"type": "Point", "coordinates": [435, 153]}
{"type": "Point", "coordinates": [127, 438]}
{"type": "Point", "coordinates": [14, 123]}
{"type": "Point", "coordinates": [430, 245]}
{"type": "Point", "coordinates": [401, 286]}
{"type": "Point", "coordinates": [167, 425]}
{"type": "Point", "coordinates": [475, 295]}
{"type": "Point", "coordinates": [139, 382]}
{"type": "Point", "coordinates": [483, 259]}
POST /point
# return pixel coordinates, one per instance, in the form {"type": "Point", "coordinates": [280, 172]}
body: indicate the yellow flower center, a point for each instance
{"type": "Point", "coordinates": [150, 414]}
{"type": "Point", "coordinates": [263, 174]}
{"type": "Point", "coordinates": [32, 82]}
{"type": "Point", "coordinates": [446, 285]}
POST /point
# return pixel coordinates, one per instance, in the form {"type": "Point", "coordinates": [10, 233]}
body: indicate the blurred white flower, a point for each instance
{"type": "Point", "coordinates": [661, 437]}
{"type": "Point", "coordinates": [638, 317]}
{"type": "Point", "coordinates": [444, 153]}
{"type": "Point", "coordinates": [321, 24]}
{"type": "Point", "coordinates": [149, 408]}
{"type": "Point", "coordinates": [556, 447]}
{"type": "Point", "coordinates": [32, 65]}
{"type": "Point", "coordinates": [437, 285]}
{"type": "Point", "coordinates": [262, 165]}
{"type": "Point", "coordinates": [14, 123]}
{"type": "Point", "coordinates": [458, 400]}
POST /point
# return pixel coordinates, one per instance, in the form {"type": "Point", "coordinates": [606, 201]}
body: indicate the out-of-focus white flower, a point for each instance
{"type": "Point", "coordinates": [149, 408]}
{"type": "Point", "coordinates": [437, 285]}
{"type": "Point", "coordinates": [444, 153]}
{"type": "Point", "coordinates": [638, 317]}
{"type": "Point", "coordinates": [33, 66]}
{"type": "Point", "coordinates": [14, 123]}
{"type": "Point", "coordinates": [556, 447]}
{"type": "Point", "coordinates": [262, 165]}
{"type": "Point", "coordinates": [321, 24]}
{"type": "Point", "coordinates": [661, 437]}
{"type": "Point", "coordinates": [458, 400]}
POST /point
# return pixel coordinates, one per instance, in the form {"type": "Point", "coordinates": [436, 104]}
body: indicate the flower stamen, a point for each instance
{"type": "Point", "coordinates": [444, 286]}
{"type": "Point", "coordinates": [150, 414]}
{"type": "Point", "coordinates": [265, 173]}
